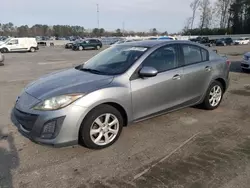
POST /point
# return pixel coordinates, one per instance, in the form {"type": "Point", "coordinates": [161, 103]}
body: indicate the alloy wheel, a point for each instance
{"type": "Point", "coordinates": [104, 129]}
{"type": "Point", "coordinates": [215, 95]}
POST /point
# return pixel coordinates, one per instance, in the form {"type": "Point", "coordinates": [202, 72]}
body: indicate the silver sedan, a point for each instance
{"type": "Point", "coordinates": [126, 83]}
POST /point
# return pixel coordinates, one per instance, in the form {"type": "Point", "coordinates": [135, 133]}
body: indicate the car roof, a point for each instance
{"type": "Point", "coordinates": [152, 43]}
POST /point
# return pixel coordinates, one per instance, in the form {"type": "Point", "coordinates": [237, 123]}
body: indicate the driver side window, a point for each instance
{"type": "Point", "coordinates": [163, 59]}
{"type": "Point", "coordinates": [12, 42]}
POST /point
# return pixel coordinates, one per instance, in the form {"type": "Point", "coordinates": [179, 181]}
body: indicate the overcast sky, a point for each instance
{"type": "Point", "coordinates": [138, 15]}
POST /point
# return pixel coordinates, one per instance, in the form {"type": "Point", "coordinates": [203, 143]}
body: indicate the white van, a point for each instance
{"type": "Point", "coordinates": [19, 45]}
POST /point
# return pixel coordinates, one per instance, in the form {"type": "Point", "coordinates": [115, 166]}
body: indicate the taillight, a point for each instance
{"type": "Point", "coordinates": [228, 62]}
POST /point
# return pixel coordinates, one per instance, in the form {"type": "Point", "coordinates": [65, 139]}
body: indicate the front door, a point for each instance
{"type": "Point", "coordinates": [13, 45]}
{"type": "Point", "coordinates": [164, 91]}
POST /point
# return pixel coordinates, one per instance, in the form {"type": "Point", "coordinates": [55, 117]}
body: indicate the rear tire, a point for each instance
{"type": "Point", "coordinates": [213, 96]}
{"type": "Point", "coordinates": [32, 50]}
{"type": "Point", "coordinates": [105, 122]}
{"type": "Point", "coordinates": [98, 47]}
{"type": "Point", "coordinates": [80, 48]}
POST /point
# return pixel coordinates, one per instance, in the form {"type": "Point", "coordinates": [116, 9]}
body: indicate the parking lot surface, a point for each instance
{"type": "Point", "coordinates": [187, 148]}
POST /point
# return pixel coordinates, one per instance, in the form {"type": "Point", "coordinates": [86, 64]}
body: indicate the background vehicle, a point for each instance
{"type": "Point", "coordinates": [242, 41]}
{"type": "Point", "coordinates": [1, 59]}
{"type": "Point", "coordinates": [18, 45]}
{"type": "Point", "coordinates": [204, 40]}
{"type": "Point", "coordinates": [224, 42]}
{"type": "Point", "coordinates": [87, 44]}
{"type": "Point", "coordinates": [245, 64]}
{"type": "Point", "coordinates": [96, 99]}
{"type": "Point", "coordinates": [69, 45]}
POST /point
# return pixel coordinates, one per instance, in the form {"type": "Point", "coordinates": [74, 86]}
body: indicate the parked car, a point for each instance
{"type": "Point", "coordinates": [242, 41]}
{"type": "Point", "coordinates": [123, 84]}
{"type": "Point", "coordinates": [245, 64]}
{"type": "Point", "coordinates": [19, 44]}
{"type": "Point", "coordinates": [224, 42]}
{"type": "Point", "coordinates": [203, 40]}
{"type": "Point", "coordinates": [69, 45]}
{"type": "Point", "coordinates": [87, 44]}
{"type": "Point", "coordinates": [1, 59]}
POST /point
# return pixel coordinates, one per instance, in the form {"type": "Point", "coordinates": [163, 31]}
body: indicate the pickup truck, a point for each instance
{"type": "Point", "coordinates": [204, 40]}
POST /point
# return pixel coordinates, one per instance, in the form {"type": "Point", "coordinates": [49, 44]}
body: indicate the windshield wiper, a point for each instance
{"type": "Point", "coordinates": [92, 71]}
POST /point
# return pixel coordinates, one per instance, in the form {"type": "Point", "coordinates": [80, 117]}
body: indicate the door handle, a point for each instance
{"type": "Point", "coordinates": [176, 77]}
{"type": "Point", "coordinates": [208, 68]}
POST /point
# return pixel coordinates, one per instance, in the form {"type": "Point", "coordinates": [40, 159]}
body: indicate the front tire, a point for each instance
{"type": "Point", "coordinates": [4, 50]}
{"type": "Point", "coordinates": [101, 127]}
{"type": "Point", "coordinates": [213, 96]}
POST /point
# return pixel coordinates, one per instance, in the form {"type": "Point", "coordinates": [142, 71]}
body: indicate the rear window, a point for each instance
{"type": "Point", "coordinates": [192, 54]}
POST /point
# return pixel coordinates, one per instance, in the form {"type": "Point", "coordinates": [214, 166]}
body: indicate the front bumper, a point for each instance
{"type": "Point", "coordinates": [31, 124]}
{"type": "Point", "coordinates": [245, 64]}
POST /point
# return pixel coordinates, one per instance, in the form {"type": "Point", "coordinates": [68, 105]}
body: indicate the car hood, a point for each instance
{"type": "Point", "coordinates": [247, 54]}
{"type": "Point", "coordinates": [66, 82]}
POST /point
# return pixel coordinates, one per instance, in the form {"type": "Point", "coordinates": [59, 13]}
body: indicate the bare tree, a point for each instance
{"type": "Point", "coordinates": [194, 6]}
{"type": "Point", "coordinates": [187, 25]}
{"type": "Point", "coordinates": [222, 10]}
{"type": "Point", "coordinates": [206, 13]}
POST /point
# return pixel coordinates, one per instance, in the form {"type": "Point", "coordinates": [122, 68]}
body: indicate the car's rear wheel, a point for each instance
{"type": "Point", "coordinates": [101, 128]}
{"type": "Point", "coordinates": [98, 47]}
{"type": "Point", "coordinates": [80, 48]}
{"type": "Point", "coordinates": [213, 96]}
{"type": "Point", "coordinates": [32, 49]}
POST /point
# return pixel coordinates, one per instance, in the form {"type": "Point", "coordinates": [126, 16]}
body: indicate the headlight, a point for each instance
{"type": "Point", "coordinates": [57, 102]}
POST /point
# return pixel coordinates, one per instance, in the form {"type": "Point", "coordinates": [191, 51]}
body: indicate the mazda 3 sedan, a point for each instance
{"type": "Point", "coordinates": [91, 103]}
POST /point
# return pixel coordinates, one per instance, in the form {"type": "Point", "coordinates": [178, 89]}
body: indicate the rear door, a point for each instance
{"type": "Point", "coordinates": [93, 43]}
{"type": "Point", "coordinates": [197, 72]}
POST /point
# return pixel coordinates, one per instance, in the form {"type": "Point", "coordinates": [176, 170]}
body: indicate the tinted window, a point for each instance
{"type": "Point", "coordinates": [93, 41]}
{"type": "Point", "coordinates": [192, 54]}
{"type": "Point", "coordinates": [204, 54]}
{"type": "Point", "coordinates": [163, 59]}
{"type": "Point", "coordinates": [13, 42]}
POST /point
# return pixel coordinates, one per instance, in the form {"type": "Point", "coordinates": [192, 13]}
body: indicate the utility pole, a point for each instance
{"type": "Point", "coordinates": [97, 11]}
{"type": "Point", "coordinates": [123, 28]}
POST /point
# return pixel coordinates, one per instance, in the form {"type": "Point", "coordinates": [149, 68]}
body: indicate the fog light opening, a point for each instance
{"type": "Point", "coordinates": [49, 129]}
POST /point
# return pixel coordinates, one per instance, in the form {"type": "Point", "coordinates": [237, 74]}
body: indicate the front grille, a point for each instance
{"type": "Point", "coordinates": [25, 119]}
{"type": "Point", "coordinates": [245, 65]}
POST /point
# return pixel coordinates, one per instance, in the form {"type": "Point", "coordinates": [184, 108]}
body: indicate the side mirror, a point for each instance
{"type": "Point", "coordinates": [148, 72]}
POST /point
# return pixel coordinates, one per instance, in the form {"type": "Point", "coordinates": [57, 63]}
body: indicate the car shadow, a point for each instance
{"type": "Point", "coordinates": [9, 159]}
{"type": "Point", "coordinates": [236, 67]}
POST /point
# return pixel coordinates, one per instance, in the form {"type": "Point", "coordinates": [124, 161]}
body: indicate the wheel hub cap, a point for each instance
{"type": "Point", "coordinates": [104, 129]}
{"type": "Point", "coordinates": [215, 96]}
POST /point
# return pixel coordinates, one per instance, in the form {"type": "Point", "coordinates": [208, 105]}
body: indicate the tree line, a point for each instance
{"type": "Point", "coordinates": [9, 29]}
{"type": "Point", "coordinates": [219, 18]}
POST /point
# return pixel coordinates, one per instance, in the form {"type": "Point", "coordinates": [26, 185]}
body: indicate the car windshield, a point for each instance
{"type": "Point", "coordinates": [114, 60]}
{"type": "Point", "coordinates": [7, 40]}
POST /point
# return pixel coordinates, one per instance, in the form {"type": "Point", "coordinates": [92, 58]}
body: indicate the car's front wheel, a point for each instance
{"type": "Point", "coordinates": [213, 96]}
{"type": "Point", "coordinates": [101, 128]}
